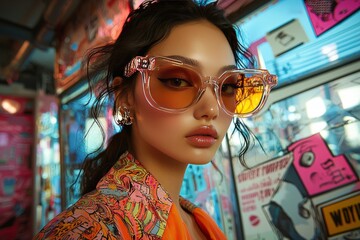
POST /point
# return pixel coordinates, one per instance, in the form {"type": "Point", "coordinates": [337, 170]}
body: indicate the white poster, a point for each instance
{"type": "Point", "coordinates": [255, 187]}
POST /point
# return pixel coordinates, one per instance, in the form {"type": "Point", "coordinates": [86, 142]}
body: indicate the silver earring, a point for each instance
{"type": "Point", "coordinates": [122, 116]}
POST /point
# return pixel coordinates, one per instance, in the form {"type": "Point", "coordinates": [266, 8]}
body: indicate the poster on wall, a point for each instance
{"type": "Point", "coordinates": [281, 198]}
{"type": "Point", "coordinates": [255, 187]}
{"type": "Point", "coordinates": [326, 14]}
{"type": "Point", "coordinates": [286, 37]}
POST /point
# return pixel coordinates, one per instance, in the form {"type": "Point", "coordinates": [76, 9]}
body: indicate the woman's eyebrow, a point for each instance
{"type": "Point", "coordinates": [196, 63]}
{"type": "Point", "coordinates": [185, 60]}
{"type": "Point", "coordinates": [227, 67]}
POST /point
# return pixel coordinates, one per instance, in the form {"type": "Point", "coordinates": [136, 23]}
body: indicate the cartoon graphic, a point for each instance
{"type": "Point", "coordinates": [314, 170]}
{"type": "Point", "coordinates": [292, 214]}
{"type": "Point", "coordinates": [317, 168]}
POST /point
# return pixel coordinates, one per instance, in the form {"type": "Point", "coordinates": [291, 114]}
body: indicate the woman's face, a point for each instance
{"type": "Point", "coordinates": [192, 136]}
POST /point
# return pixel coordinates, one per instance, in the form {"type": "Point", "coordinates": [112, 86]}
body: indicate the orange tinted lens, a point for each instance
{"type": "Point", "coordinates": [241, 94]}
{"type": "Point", "coordinates": [174, 87]}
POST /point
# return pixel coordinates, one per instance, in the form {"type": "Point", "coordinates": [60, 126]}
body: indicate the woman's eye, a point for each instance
{"type": "Point", "coordinates": [175, 82]}
{"type": "Point", "coordinates": [229, 89]}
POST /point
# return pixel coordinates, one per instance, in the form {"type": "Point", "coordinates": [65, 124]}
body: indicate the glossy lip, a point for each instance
{"type": "Point", "coordinates": [202, 137]}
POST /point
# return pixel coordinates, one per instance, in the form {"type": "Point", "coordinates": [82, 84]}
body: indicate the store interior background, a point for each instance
{"type": "Point", "coordinates": [312, 116]}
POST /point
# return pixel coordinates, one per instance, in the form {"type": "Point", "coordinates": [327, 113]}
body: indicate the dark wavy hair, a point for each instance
{"type": "Point", "coordinates": [146, 26]}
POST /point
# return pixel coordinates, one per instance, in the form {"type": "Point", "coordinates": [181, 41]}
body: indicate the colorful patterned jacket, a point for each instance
{"type": "Point", "coordinates": [128, 203]}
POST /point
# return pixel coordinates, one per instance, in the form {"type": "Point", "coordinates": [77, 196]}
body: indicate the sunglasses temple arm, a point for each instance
{"type": "Point", "coordinates": [272, 80]}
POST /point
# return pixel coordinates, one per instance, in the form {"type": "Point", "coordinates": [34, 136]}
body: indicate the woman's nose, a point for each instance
{"type": "Point", "coordinates": [207, 107]}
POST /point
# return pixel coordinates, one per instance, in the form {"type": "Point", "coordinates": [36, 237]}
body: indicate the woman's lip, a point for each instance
{"type": "Point", "coordinates": [202, 137]}
{"type": "Point", "coordinates": [201, 141]}
{"type": "Point", "coordinates": [208, 131]}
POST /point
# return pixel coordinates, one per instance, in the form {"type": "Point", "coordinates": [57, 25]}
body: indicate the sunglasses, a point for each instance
{"type": "Point", "coordinates": [173, 86]}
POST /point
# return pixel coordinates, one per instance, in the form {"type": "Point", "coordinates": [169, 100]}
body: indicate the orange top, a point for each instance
{"type": "Point", "coordinates": [128, 203]}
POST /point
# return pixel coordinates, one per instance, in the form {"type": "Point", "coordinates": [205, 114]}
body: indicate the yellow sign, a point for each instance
{"type": "Point", "coordinates": [342, 216]}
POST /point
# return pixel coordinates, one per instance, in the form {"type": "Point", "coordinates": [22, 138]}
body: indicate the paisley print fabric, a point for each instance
{"type": "Point", "coordinates": [128, 203]}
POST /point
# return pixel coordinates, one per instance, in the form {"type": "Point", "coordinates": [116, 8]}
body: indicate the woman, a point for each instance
{"type": "Point", "coordinates": [173, 75]}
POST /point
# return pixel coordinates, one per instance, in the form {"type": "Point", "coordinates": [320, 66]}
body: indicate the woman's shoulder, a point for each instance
{"type": "Point", "coordinates": [91, 217]}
